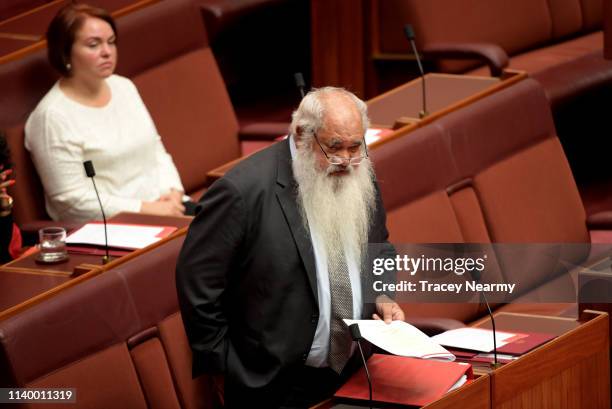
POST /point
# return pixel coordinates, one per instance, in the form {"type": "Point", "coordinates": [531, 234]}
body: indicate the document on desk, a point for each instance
{"type": "Point", "coordinates": [401, 338]}
{"type": "Point", "coordinates": [475, 339]}
{"type": "Point", "coordinates": [123, 236]}
{"type": "Point", "coordinates": [405, 381]}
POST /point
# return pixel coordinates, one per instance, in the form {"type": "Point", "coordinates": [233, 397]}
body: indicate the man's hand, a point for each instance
{"type": "Point", "coordinates": [388, 309]}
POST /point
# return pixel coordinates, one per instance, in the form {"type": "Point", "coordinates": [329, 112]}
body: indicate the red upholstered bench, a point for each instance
{"type": "Point", "coordinates": [536, 35]}
{"type": "Point", "coordinates": [479, 175]}
{"type": "Point", "coordinates": [118, 339]}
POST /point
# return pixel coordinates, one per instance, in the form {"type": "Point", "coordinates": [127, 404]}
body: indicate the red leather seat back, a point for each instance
{"type": "Point", "coordinates": [116, 337]}
{"type": "Point", "coordinates": [178, 78]}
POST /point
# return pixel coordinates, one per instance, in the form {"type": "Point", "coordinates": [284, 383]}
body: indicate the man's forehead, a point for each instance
{"type": "Point", "coordinates": [343, 123]}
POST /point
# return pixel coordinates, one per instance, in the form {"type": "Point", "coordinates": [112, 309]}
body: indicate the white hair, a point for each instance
{"type": "Point", "coordinates": [338, 208]}
{"type": "Point", "coordinates": [310, 114]}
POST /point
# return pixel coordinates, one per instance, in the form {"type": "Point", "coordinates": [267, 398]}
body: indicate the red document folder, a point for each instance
{"type": "Point", "coordinates": [525, 344]}
{"type": "Point", "coordinates": [404, 381]}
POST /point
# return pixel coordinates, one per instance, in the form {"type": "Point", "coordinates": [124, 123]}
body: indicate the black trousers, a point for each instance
{"type": "Point", "coordinates": [314, 385]}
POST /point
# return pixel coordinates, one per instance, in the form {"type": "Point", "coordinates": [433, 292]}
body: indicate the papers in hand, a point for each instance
{"type": "Point", "coordinates": [474, 339]}
{"type": "Point", "coordinates": [126, 236]}
{"type": "Point", "coordinates": [401, 338]}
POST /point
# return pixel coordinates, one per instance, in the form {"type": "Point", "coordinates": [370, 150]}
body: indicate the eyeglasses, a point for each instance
{"type": "Point", "coordinates": [338, 160]}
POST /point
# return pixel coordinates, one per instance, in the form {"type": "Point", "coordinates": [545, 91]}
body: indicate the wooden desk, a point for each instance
{"type": "Point", "coordinates": [472, 395]}
{"type": "Point", "coordinates": [571, 371]}
{"type": "Point", "coordinates": [10, 43]}
{"type": "Point", "coordinates": [32, 25]}
{"type": "Point", "coordinates": [445, 93]}
{"type": "Point", "coordinates": [595, 291]}
{"type": "Point", "coordinates": [23, 282]}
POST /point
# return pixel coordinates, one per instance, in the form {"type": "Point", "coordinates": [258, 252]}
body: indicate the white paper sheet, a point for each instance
{"type": "Point", "coordinates": [459, 383]}
{"type": "Point", "coordinates": [474, 339]}
{"type": "Point", "coordinates": [119, 235]}
{"type": "Point", "coordinates": [401, 338]}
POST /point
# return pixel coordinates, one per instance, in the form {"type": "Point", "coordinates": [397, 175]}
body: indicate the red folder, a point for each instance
{"type": "Point", "coordinates": [404, 381]}
{"type": "Point", "coordinates": [96, 251]}
{"type": "Point", "coordinates": [525, 344]}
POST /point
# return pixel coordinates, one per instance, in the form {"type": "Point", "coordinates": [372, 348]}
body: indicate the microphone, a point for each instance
{"type": "Point", "coordinates": [299, 82]}
{"type": "Point", "coordinates": [91, 172]}
{"type": "Point", "coordinates": [495, 363]}
{"type": "Point", "coordinates": [356, 335]}
{"type": "Point", "coordinates": [409, 32]}
{"type": "Point", "coordinates": [476, 276]}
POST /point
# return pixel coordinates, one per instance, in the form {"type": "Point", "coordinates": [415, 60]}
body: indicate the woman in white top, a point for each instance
{"type": "Point", "coordinates": [91, 114]}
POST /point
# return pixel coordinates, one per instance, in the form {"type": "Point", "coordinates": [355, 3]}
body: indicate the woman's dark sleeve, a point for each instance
{"type": "Point", "coordinates": [6, 235]}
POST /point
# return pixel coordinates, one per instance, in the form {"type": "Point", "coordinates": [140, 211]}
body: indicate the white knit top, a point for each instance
{"type": "Point", "coordinates": [120, 139]}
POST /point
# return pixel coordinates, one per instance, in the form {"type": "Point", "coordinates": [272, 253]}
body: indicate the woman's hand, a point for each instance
{"type": "Point", "coordinates": [4, 179]}
{"type": "Point", "coordinates": [6, 201]}
{"type": "Point", "coordinates": [174, 196]}
{"type": "Point", "coordinates": [163, 207]}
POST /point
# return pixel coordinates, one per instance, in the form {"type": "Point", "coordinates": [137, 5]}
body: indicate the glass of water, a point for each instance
{"type": "Point", "coordinates": [52, 245]}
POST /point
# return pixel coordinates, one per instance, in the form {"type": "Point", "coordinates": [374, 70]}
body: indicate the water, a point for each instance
{"type": "Point", "coordinates": [52, 251]}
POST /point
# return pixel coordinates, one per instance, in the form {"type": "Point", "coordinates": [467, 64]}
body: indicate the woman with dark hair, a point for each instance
{"type": "Point", "coordinates": [92, 114]}
{"type": "Point", "coordinates": [10, 237]}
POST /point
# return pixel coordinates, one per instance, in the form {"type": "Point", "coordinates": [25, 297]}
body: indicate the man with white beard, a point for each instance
{"type": "Point", "coordinates": [276, 257]}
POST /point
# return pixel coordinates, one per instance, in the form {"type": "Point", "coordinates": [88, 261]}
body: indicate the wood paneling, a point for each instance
{"type": "Point", "coordinates": [337, 41]}
{"type": "Point", "coordinates": [607, 29]}
{"type": "Point", "coordinates": [571, 371]}
{"type": "Point", "coordinates": [476, 395]}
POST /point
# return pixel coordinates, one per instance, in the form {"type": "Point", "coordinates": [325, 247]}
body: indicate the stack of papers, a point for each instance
{"type": "Point", "coordinates": [122, 236]}
{"type": "Point", "coordinates": [401, 338]}
{"type": "Point", "coordinates": [475, 339]}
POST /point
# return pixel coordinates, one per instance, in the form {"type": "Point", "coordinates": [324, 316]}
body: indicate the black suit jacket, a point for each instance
{"type": "Point", "coordinates": [246, 278]}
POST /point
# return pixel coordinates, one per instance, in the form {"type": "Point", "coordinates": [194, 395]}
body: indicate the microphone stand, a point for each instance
{"type": "Point", "coordinates": [409, 32]}
{"type": "Point", "coordinates": [356, 335]}
{"type": "Point", "coordinates": [106, 257]}
{"type": "Point", "coordinates": [300, 83]}
{"type": "Point", "coordinates": [495, 363]}
{"type": "Point", "coordinates": [91, 172]}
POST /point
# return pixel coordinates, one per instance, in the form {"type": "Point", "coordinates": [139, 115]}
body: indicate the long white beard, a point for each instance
{"type": "Point", "coordinates": [338, 208]}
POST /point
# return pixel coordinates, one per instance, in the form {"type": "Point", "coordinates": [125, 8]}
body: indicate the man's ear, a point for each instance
{"type": "Point", "coordinates": [299, 133]}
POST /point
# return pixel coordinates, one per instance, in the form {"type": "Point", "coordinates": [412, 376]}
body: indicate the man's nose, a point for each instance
{"type": "Point", "coordinates": [345, 155]}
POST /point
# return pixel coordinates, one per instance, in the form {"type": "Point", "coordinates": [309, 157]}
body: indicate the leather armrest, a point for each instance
{"type": "Point", "coordinates": [433, 326]}
{"type": "Point", "coordinates": [492, 54]}
{"type": "Point", "coordinates": [600, 221]}
{"type": "Point", "coordinates": [263, 131]}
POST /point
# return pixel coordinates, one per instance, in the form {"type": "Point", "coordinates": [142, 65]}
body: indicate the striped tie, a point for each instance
{"type": "Point", "coordinates": [341, 307]}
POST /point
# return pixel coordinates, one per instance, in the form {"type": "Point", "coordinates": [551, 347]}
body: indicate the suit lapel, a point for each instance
{"type": "Point", "coordinates": [286, 192]}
